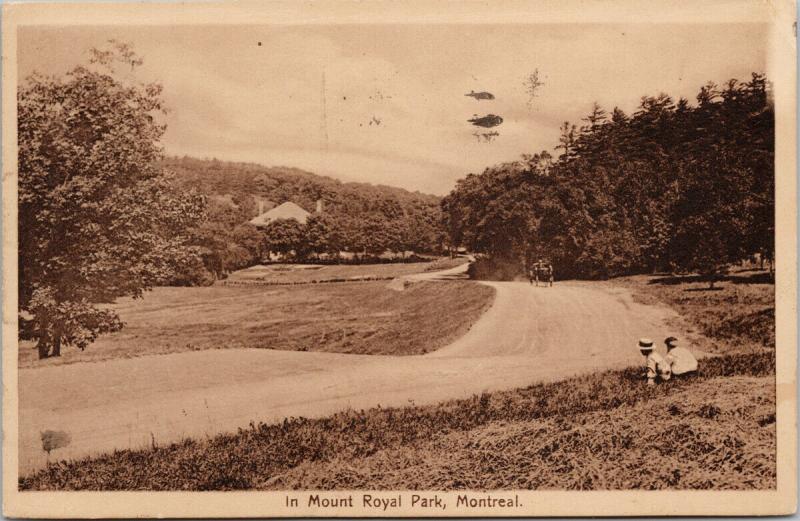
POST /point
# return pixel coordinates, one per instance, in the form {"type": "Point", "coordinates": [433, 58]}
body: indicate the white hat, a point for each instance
{"type": "Point", "coordinates": [645, 344]}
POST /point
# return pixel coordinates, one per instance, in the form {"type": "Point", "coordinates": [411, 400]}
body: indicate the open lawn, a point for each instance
{"type": "Point", "coordinates": [712, 430]}
{"type": "Point", "coordinates": [360, 317]}
{"type": "Point", "coordinates": [738, 315]}
{"type": "Point", "coordinates": [311, 273]}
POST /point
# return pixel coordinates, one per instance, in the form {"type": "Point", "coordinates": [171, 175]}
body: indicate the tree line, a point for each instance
{"type": "Point", "coordinates": [674, 186]}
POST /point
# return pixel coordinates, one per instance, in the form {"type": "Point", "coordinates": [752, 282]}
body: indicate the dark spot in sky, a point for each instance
{"type": "Point", "coordinates": [259, 44]}
{"type": "Point", "coordinates": [344, 98]}
{"type": "Point", "coordinates": [480, 95]}
{"type": "Point", "coordinates": [487, 121]}
{"type": "Point", "coordinates": [375, 121]}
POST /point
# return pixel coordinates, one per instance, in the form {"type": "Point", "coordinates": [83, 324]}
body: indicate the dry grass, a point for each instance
{"type": "Point", "coordinates": [717, 434]}
{"type": "Point", "coordinates": [738, 316]}
{"type": "Point", "coordinates": [361, 317]}
{"type": "Point", "coordinates": [714, 430]}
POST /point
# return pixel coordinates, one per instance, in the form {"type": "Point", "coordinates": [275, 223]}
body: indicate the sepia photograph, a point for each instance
{"type": "Point", "coordinates": [399, 259]}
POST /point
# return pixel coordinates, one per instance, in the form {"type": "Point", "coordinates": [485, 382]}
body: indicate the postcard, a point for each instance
{"type": "Point", "coordinates": [399, 259]}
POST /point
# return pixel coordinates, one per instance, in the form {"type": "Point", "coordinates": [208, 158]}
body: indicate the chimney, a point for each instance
{"type": "Point", "coordinates": [319, 206]}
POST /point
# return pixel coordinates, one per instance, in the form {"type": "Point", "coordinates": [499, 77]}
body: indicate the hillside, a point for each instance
{"type": "Point", "coordinates": [356, 217]}
{"type": "Point", "coordinates": [281, 184]}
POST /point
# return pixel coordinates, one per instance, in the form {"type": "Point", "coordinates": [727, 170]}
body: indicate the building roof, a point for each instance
{"type": "Point", "coordinates": [287, 210]}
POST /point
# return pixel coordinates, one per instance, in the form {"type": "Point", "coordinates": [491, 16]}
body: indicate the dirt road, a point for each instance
{"type": "Point", "coordinates": [529, 335]}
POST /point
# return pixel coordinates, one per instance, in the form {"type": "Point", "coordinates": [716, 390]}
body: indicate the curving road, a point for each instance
{"type": "Point", "coordinates": [529, 335]}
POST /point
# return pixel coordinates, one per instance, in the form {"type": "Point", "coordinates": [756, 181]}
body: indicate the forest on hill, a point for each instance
{"type": "Point", "coordinates": [674, 186]}
{"type": "Point", "coordinates": [356, 217]}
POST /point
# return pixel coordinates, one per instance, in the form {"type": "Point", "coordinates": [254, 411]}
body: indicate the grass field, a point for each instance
{"type": "Point", "coordinates": [310, 273]}
{"type": "Point", "coordinates": [360, 317]}
{"type": "Point", "coordinates": [737, 316]}
{"type": "Point", "coordinates": [714, 430]}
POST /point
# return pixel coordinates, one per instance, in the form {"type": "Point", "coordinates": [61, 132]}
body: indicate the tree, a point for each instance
{"type": "Point", "coordinates": [318, 236]}
{"type": "Point", "coordinates": [248, 236]}
{"type": "Point", "coordinates": [374, 234]}
{"type": "Point", "coordinates": [567, 139]}
{"type": "Point", "coordinates": [284, 236]}
{"type": "Point", "coordinates": [98, 219]}
{"type": "Point", "coordinates": [594, 119]}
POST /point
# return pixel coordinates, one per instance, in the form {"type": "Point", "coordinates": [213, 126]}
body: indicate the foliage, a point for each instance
{"type": "Point", "coordinates": [673, 186]}
{"type": "Point", "coordinates": [284, 235]}
{"type": "Point", "coordinates": [97, 218]}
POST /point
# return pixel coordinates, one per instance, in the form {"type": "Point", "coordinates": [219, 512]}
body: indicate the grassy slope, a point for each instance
{"type": "Point", "coordinates": [737, 316]}
{"type": "Point", "coordinates": [362, 317]}
{"type": "Point", "coordinates": [545, 431]}
{"type": "Point", "coordinates": [691, 438]}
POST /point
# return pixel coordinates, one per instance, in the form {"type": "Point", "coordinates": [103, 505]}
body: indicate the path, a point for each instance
{"type": "Point", "coordinates": [529, 335]}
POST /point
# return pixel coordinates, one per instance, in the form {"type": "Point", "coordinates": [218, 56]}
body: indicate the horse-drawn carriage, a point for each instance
{"type": "Point", "coordinates": [541, 271]}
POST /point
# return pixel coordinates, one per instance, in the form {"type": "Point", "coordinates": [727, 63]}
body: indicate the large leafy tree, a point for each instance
{"type": "Point", "coordinates": [97, 218]}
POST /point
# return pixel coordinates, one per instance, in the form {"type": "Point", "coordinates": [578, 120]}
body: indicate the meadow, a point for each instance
{"type": "Point", "coordinates": [711, 430]}
{"type": "Point", "coordinates": [357, 317]}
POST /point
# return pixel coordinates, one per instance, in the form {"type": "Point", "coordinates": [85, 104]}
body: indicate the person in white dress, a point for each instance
{"type": "Point", "coordinates": [679, 360]}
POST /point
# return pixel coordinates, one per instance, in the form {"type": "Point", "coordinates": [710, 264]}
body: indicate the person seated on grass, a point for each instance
{"type": "Point", "coordinates": [678, 361]}
{"type": "Point", "coordinates": [653, 360]}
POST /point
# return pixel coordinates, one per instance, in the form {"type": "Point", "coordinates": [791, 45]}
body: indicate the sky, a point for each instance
{"type": "Point", "coordinates": [386, 103]}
